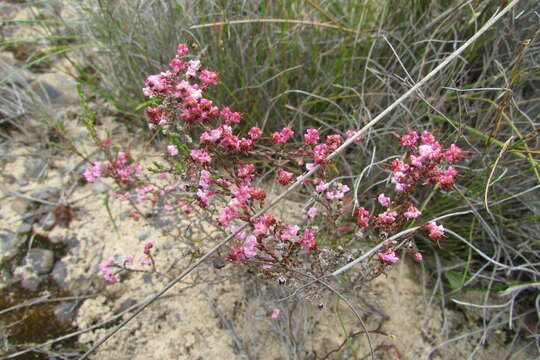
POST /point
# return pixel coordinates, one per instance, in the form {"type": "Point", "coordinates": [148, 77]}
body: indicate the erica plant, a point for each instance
{"type": "Point", "coordinates": [208, 163]}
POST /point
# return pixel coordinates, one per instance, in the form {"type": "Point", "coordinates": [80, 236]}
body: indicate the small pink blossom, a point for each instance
{"type": "Point", "coordinates": [351, 133]}
{"type": "Point", "coordinates": [322, 186]}
{"type": "Point", "coordinates": [334, 141]}
{"type": "Point", "coordinates": [284, 177]}
{"type": "Point", "coordinates": [172, 150]}
{"type": "Point", "coordinates": [275, 314]}
{"type": "Point", "coordinates": [363, 217]}
{"type": "Point", "coordinates": [312, 212]}
{"type": "Point", "coordinates": [281, 137]}
{"type": "Point", "coordinates": [417, 256]}
{"type": "Point", "coordinates": [193, 67]}
{"type": "Point", "coordinates": [410, 139]}
{"type": "Point", "coordinates": [389, 256]}
{"type": "Point", "coordinates": [230, 116]}
{"type": "Point", "coordinates": [412, 212]}
{"type": "Point", "coordinates": [308, 240]}
{"type": "Point", "coordinates": [208, 77]}
{"type": "Point", "coordinates": [311, 137]}
{"type": "Point", "coordinates": [453, 154]}
{"type": "Point", "coordinates": [107, 269]}
{"type": "Point", "coordinates": [93, 173]}
{"type": "Point", "coordinates": [320, 152]}
{"type": "Point", "coordinates": [211, 136]}
{"type": "Point", "coordinates": [148, 247]}
{"type": "Point", "coordinates": [435, 231]}
{"type": "Point", "coordinates": [260, 229]}
{"type": "Point", "coordinates": [201, 156]}
{"type": "Point", "coordinates": [384, 200]}
{"type": "Point", "coordinates": [387, 217]}
{"type": "Point", "coordinates": [145, 261]}
{"type": "Point", "coordinates": [337, 193]}
{"type": "Point", "coordinates": [129, 260]}
{"type": "Point", "coordinates": [182, 50]}
{"type": "Point", "coordinates": [250, 247]}
{"type": "Point", "coordinates": [254, 133]}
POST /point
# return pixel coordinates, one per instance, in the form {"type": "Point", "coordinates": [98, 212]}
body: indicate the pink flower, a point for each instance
{"type": "Point", "coordinates": [211, 136]}
{"type": "Point", "coordinates": [435, 231]}
{"type": "Point", "coordinates": [205, 179]}
{"type": "Point", "coordinates": [201, 156]}
{"type": "Point", "coordinates": [230, 116]}
{"type": "Point", "coordinates": [311, 137]}
{"type": "Point", "coordinates": [416, 161]}
{"type": "Point", "coordinates": [320, 152]}
{"type": "Point", "coordinates": [389, 257]}
{"type": "Point", "coordinates": [429, 152]}
{"type": "Point", "coordinates": [334, 141]}
{"type": "Point", "coordinates": [337, 193]}
{"type": "Point", "coordinates": [322, 186]}
{"type": "Point", "coordinates": [93, 173]}
{"type": "Point", "coordinates": [387, 217]}
{"type": "Point", "coordinates": [351, 133]}
{"type": "Point", "coordinates": [236, 254]}
{"type": "Point", "coordinates": [227, 214]}
{"type": "Point", "coordinates": [182, 50]}
{"type": "Point", "coordinates": [281, 137]}
{"type": "Point", "coordinates": [363, 217]}
{"type": "Point", "coordinates": [453, 154]}
{"type": "Point", "coordinates": [284, 177]}
{"type": "Point", "coordinates": [289, 233]}
{"type": "Point", "coordinates": [145, 261]}
{"type": "Point", "coordinates": [129, 260]}
{"type": "Point", "coordinates": [254, 133]}
{"type": "Point", "coordinates": [148, 247]}
{"type": "Point", "coordinates": [106, 268]}
{"type": "Point", "coordinates": [410, 139]}
{"type": "Point", "coordinates": [428, 138]}
{"type": "Point", "coordinates": [412, 212]}
{"type": "Point", "coordinates": [208, 77]}
{"type": "Point", "coordinates": [308, 240]}
{"type": "Point", "coordinates": [417, 256]}
{"type": "Point", "coordinates": [172, 150]}
{"type": "Point", "coordinates": [310, 166]}
{"type": "Point", "coordinates": [275, 314]}
{"type": "Point", "coordinates": [250, 247]}
{"type": "Point", "coordinates": [384, 200]}
{"type": "Point", "coordinates": [156, 82]}
{"type": "Point", "coordinates": [177, 65]}
{"type": "Point", "coordinates": [260, 229]}
{"type": "Point", "coordinates": [312, 212]}
{"type": "Point", "coordinates": [193, 67]}
{"type": "Point", "coordinates": [447, 177]}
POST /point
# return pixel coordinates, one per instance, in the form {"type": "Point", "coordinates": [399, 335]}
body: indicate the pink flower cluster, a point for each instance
{"type": "Point", "coordinates": [120, 168]}
{"type": "Point", "coordinates": [426, 161]}
{"type": "Point", "coordinates": [219, 167]}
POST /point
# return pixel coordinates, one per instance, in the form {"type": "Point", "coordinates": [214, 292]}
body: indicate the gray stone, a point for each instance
{"type": "Point", "coordinates": [30, 218]}
{"type": "Point", "coordinates": [46, 193]}
{"type": "Point", "coordinates": [59, 274]}
{"type": "Point", "coordinates": [56, 89]}
{"type": "Point", "coordinates": [35, 167]}
{"type": "Point", "coordinates": [40, 260]}
{"type": "Point", "coordinates": [48, 221]}
{"type": "Point", "coordinates": [10, 179]}
{"type": "Point", "coordinates": [99, 187]}
{"type": "Point", "coordinates": [143, 234]}
{"type": "Point", "coordinates": [20, 205]}
{"type": "Point", "coordinates": [9, 243]}
{"type": "Point", "coordinates": [24, 228]}
{"type": "Point", "coordinates": [31, 283]}
{"type": "Point", "coordinates": [123, 304]}
{"type": "Point", "coordinates": [65, 312]}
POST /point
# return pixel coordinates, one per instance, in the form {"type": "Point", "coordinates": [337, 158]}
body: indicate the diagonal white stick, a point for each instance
{"type": "Point", "coordinates": [338, 151]}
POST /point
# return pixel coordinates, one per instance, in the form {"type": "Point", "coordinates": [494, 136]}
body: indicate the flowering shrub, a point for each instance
{"type": "Point", "coordinates": [208, 163]}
